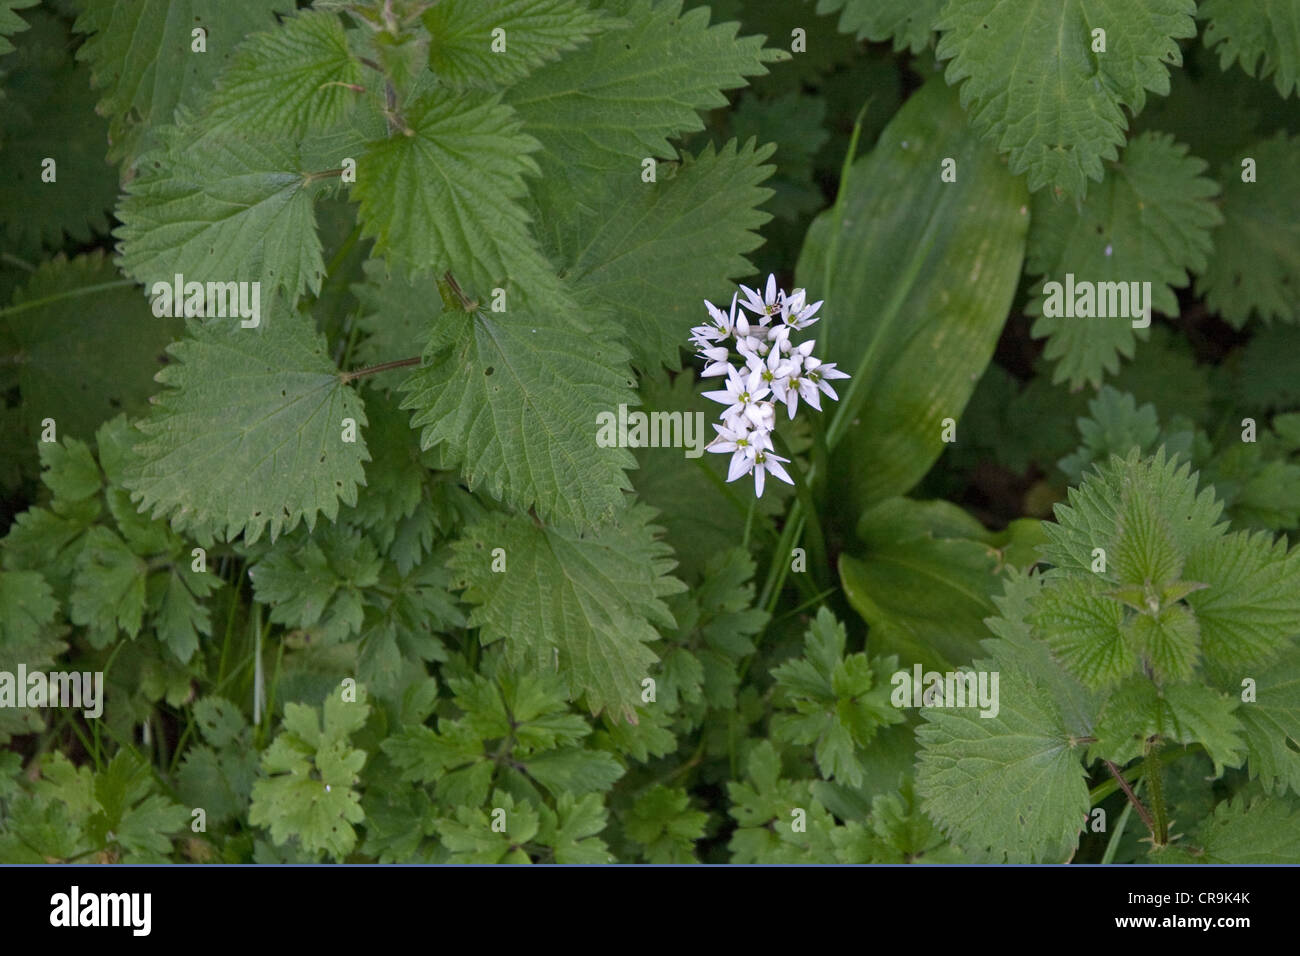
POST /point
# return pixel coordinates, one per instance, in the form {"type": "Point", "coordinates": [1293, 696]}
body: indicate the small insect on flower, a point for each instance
{"type": "Point", "coordinates": [769, 364]}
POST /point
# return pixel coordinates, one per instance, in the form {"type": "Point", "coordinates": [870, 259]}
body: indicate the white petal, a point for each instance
{"type": "Point", "coordinates": [740, 465]}
{"type": "Point", "coordinates": [758, 481]}
{"type": "Point", "coordinates": [774, 466]}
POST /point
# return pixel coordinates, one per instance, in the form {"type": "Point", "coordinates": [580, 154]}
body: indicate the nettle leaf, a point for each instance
{"type": "Point", "coordinates": [1148, 221]}
{"type": "Point", "coordinates": [1091, 518]}
{"type": "Point", "coordinates": [1271, 722]}
{"type": "Point", "coordinates": [1009, 785]}
{"type": "Point", "coordinates": [289, 81]}
{"type": "Point", "coordinates": [250, 433]}
{"type": "Point", "coordinates": [49, 113]}
{"type": "Point", "coordinates": [621, 97]}
{"type": "Point", "coordinates": [1183, 713]}
{"type": "Point", "coordinates": [1251, 610]}
{"type": "Point", "coordinates": [1036, 89]}
{"type": "Point", "coordinates": [1255, 269]}
{"type": "Point", "coordinates": [653, 251]}
{"type": "Point", "coordinates": [312, 769]}
{"type": "Point", "coordinates": [1083, 627]}
{"type": "Point", "coordinates": [1262, 34]}
{"type": "Point", "coordinates": [466, 50]}
{"type": "Point", "coordinates": [446, 196]}
{"type": "Point", "coordinates": [1266, 830]}
{"type": "Point", "coordinates": [10, 22]}
{"type": "Point", "coordinates": [516, 399]}
{"type": "Point", "coordinates": [217, 207]}
{"type": "Point", "coordinates": [585, 604]}
{"type": "Point", "coordinates": [84, 353]}
{"type": "Point", "coordinates": [909, 23]}
{"type": "Point", "coordinates": [142, 59]}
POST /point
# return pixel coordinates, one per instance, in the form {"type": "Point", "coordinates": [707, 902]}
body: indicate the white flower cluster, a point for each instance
{"type": "Point", "coordinates": [772, 366]}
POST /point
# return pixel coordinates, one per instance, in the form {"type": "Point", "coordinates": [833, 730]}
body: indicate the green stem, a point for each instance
{"type": "Point", "coordinates": [816, 541]}
{"type": "Point", "coordinates": [1112, 845]}
{"type": "Point", "coordinates": [749, 523]}
{"type": "Point", "coordinates": [1156, 789]}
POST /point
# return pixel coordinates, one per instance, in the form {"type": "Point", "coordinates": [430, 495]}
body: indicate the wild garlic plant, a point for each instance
{"type": "Point", "coordinates": [770, 369]}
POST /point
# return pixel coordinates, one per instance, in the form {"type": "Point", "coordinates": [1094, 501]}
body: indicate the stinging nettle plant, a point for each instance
{"type": "Point", "coordinates": [308, 310]}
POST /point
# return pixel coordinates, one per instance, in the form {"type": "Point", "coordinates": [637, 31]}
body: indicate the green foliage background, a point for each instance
{"type": "Point", "coordinates": [432, 644]}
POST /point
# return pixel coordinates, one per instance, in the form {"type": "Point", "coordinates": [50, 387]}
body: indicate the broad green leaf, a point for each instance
{"type": "Point", "coordinates": [924, 587]}
{"type": "Point", "coordinates": [909, 23]}
{"type": "Point", "coordinates": [583, 604]}
{"type": "Point", "coordinates": [1036, 88]}
{"type": "Point", "coordinates": [1148, 221]}
{"type": "Point", "coordinates": [515, 398]}
{"type": "Point", "coordinates": [217, 207]}
{"type": "Point", "coordinates": [621, 97]}
{"type": "Point", "coordinates": [900, 295]}
{"type": "Point", "coordinates": [446, 195]}
{"type": "Point", "coordinates": [250, 433]}
{"type": "Point", "coordinates": [287, 81]}
{"type": "Point", "coordinates": [652, 252]}
{"type": "Point", "coordinates": [466, 50]}
{"type": "Point", "coordinates": [1006, 786]}
{"type": "Point", "coordinates": [1255, 268]}
{"type": "Point", "coordinates": [143, 61]}
{"type": "Point", "coordinates": [87, 348]}
{"type": "Point", "coordinates": [1262, 34]}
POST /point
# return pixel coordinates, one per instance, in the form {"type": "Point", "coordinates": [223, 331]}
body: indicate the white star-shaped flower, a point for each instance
{"type": "Point", "coordinates": [767, 461]}
{"type": "Point", "coordinates": [817, 372]}
{"type": "Point", "coordinates": [742, 396]}
{"type": "Point", "coordinates": [766, 306]}
{"type": "Point", "coordinates": [798, 314]}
